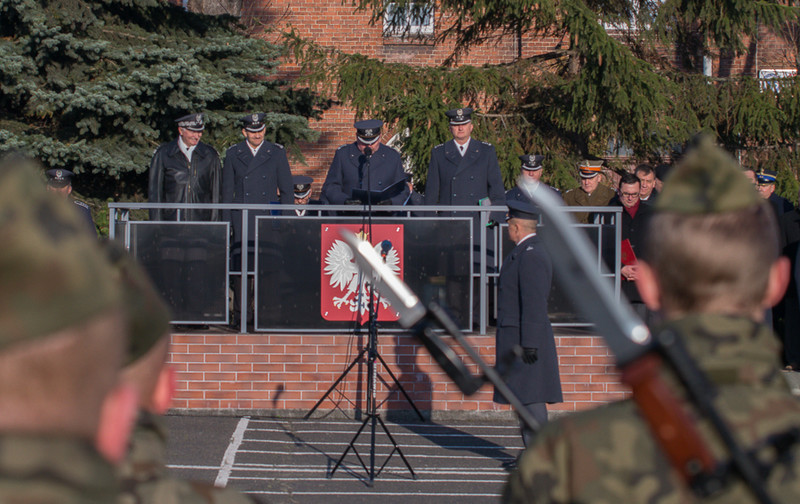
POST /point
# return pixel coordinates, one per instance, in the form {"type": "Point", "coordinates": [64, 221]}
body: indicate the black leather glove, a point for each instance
{"type": "Point", "coordinates": [352, 202]}
{"type": "Point", "coordinates": [530, 355]}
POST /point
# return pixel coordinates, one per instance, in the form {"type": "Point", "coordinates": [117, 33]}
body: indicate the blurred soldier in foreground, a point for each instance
{"type": "Point", "coordinates": [60, 181]}
{"type": "Point", "coordinates": [531, 170]}
{"type": "Point", "coordinates": [712, 268]}
{"type": "Point", "coordinates": [524, 286]}
{"type": "Point", "coordinates": [143, 475]}
{"type": "Point", "coordinates": [64, 417]}
{"type": "Point", "coordinates": [591, 192]}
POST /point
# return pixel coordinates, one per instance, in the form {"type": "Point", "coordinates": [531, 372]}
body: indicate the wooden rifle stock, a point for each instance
{"type": "Point", "coordinates": [669, 422]}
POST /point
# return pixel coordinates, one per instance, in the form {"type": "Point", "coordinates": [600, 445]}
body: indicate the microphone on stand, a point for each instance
{"type": "Point", "coordinates": [386, 246]}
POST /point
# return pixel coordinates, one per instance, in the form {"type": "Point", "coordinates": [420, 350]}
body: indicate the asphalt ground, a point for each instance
{"type": "Point", "coordinates": [291, 460]}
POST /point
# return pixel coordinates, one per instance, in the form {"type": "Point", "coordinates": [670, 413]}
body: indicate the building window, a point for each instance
{"type": "Point", "coordinates": [640, 17]}
{"type": "Point", "coordinates": [414, 19]}
{"type": "Point", "coordinates": [775, 79]}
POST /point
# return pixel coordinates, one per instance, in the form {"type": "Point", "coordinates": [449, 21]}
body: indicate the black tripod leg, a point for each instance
{"type": "Point", "coordinates": [396, 448]}
{"type": "Point", "coordinates": [341, 377]}
{"type": "Point", "coordinates": [351, 445]}
{"type": "Point", "coordinates": [397, 382]}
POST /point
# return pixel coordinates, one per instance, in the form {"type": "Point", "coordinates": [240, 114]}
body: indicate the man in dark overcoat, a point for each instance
{"type": "Point", "coordinates": [365, 164]}
{"type": "Point", "coordinates": [256, 172]}
{"type": "Point", "coordinates": [185, 170]}
{"type": "Point", "coordinates": [525, 279]}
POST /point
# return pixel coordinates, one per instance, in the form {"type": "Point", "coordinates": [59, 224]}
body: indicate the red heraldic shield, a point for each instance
{"type": "Point", "coordinates": [344, 291]}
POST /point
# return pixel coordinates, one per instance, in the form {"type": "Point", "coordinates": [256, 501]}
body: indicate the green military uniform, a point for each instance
{"type": "Point", "coordinates": [50, 469]}
{"type": "Point", "coordinates": [578, 197]}
{"type": "Point", "coordinates": [609, 455]}
{"type": "Point", "coordinates": [145, 478]}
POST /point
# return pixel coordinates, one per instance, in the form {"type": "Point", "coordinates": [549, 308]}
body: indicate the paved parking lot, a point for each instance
{"type": "Point", "coordinates": [290, 460]}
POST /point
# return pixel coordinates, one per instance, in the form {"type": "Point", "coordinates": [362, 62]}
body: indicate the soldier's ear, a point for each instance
{"type": "Point", "coordinates": [117, 417]}
{"type": "Point", "coordinates": [779, 274]}
{"type": "Point", "coordinates": [647, 285]}
{"type": "Point", "coordinates": [164, 390]}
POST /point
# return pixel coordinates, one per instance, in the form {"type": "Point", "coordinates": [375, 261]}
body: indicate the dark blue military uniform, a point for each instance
{"type": "Point", "coordinates": [260, 179]}
{"type": "Point", "coordinates": [516, 194]}
{"type": "Point", "coordinates": [525, 279]}
{"type": "Point", "coordinates": [457, 180]}
{"type": "Point", "coordinates": [347, 172]}
{"type": "Point", "coordinates": [86, 214]}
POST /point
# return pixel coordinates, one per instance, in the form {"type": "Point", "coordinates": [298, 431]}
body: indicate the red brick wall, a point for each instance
{"type": "Point", "coordinates": [280, 371]}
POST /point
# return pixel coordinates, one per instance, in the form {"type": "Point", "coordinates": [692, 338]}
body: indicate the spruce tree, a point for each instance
{"type": "Point", "coordinates": [615, 83]}
{"type": "Point", "coordinates": [94, 86]}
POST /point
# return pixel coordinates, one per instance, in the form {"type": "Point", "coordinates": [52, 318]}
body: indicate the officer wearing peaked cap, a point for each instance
{"type": "Point", "coordinates": [185, 170]}
{"type": "Point", "coordinates": [711, 267]}
{"type": "Point", "coordinates": [766, 187]}
{"type": "Point", "coordinates": [302, 194]}
{"type": "Point", "coordinates": [591, 191]}
{"type": "Point", "coordinates": [365, 164]}
{"type": "Point", "coordinates": [60, 181]}
{"type": "Point", "coordinates": [530, 171]}
{"type": "Point", "coordinates": [256, 172]}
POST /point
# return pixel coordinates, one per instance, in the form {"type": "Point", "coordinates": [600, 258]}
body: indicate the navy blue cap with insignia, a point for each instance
{"type": "Point", "coordinates": [531, 162]}
{"type": "Point", "coordinates": [254, 122]}
{"type": "Point", "coordinates": [521, 210]}
{"type": "Point", "coordinates": [302, 185]}
{"type": "Point", "coordinates": [459, 116]}
{"type": "Point", "coordinates": [58, 177]}
{"type": "Point", "coordinates": [368, 131]}
{"type": "Point", "coordinates": [191, 122]}
{"type": "Point", "coordinates": [766, 177]}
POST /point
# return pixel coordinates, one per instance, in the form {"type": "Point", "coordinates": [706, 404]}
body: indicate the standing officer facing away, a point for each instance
{"type": "Point", "coordinates": [185, 170]}
{"type": "Point", "coordinates": [524, 286]}
{"type": "Point", "coordinates": [60, 181]}
{"type": "Point", "coordinates": [348, 170]}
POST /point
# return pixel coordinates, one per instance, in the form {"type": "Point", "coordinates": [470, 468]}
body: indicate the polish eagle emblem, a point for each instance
{"type": "Point", "coordinates": [346, 276]}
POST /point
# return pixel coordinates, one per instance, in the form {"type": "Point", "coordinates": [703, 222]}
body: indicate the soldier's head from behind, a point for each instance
{"type": "Point", "coordinates": [62, 330]}
{"type": "Point", "coordinates": [712, 244]}
{"type": "Point", "coordinates": [591, 172]}
{"type": "Point", "coordinates": [522, 218]}
{"type": "Point", "coordinates": [148, 328]}
{"type": "Point", "coordinates": [531, 168]}
{"type": "Point", "coordinates": [253, 128]}
{"type": "Point", "coordinates": [368, 134]}
{"type": "Point", "coordinates": [59, 181]}
{"type": "Point", "coordinates": [190, 129]}
{"type": "Point", "coordinates": [460, 120]}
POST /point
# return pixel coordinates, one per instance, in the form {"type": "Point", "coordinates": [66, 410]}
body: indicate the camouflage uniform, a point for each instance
{"type": "Point", "coordinates": [49, 469]}
{"type": "Point", "coordinates": [609, 455]}
{"type": "Point", "coordinates": [145, 478]}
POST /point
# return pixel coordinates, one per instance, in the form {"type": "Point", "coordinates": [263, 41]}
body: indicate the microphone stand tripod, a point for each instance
{"type": "Point", "coordinates": [372, 417]}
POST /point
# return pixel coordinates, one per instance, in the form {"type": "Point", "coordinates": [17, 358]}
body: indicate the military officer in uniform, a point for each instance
{"type": "Point", "coordinates": [302, 194]}
{"type": "Point", "coordinates": [185, 170]}
{"type": "Point", "coordinates": [524, 287]}
{"type": "Point", "coordinates": [65, 415]}
{"type": "Point", "coordinates": [712, 268]}
{"type": "Point", "coordinates": [60, 181]}
{"type": "Point", "coordinates": [766, 187]}
{"type": "Point", "coordinates": [531, 171]}
{"type": "Point", "coordinates": [591, 192]}
{"type": "Point", "coordinates": [348, 170]}
{"type": "Point", "coordinates": [256, 172]}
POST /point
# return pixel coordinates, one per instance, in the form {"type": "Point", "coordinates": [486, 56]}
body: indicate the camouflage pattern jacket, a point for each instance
{"type": "Point", "coordinates": [47, 469]}
{"type": "Point", "coordinates": [608, 455]}
{"type": "Point", "coordinates": [145, 479]}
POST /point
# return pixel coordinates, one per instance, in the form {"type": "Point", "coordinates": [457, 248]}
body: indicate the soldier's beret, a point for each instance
{"type": "Point", "coordinates": [191, 122]}
{"type": "Point", "coordinates": [147, 314]}
{"type": "Point", "coordinates": [531, 162]}
{"type": "Point", "coordinates": [54, 275]}
{"type": "Point", "coordinates": [589, 168]}
{"type": "Point", "coordinates": [254, 122]}
{"type": "Point", "coordinates": [521, 210]}
{"type": "Point", "coordinates": [302, 185]}
{"type": "Point", "coordinates": [766, 177]}
{"type": "Point", "coordinates": [58, 177]}
{"type": "Point", "coordinates": [368, 131]}
{"type": "Point", "coordinates": [459, 116]}
{"type": "Point", "coordinates": [707, 181]}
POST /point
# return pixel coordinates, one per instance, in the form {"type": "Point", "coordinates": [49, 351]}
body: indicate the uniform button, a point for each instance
{"type": "Point", "coordinates": [263, 194]}
{"type": "Point", "coordinates": [263, 176]}
{"type": "Point", "coordinates": [454, 195]}
{"type": "Point", "coordinates": [472, 177]}
{"type": "Point", "coordinates": [247, 194]}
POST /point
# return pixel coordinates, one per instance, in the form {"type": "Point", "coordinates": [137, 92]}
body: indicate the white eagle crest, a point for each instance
{"type": "Point", "coordinates": [344, 275]}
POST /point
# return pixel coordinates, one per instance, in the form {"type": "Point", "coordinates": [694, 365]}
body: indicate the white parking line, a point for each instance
{"type": "Point", "coordinates": [230, 453]}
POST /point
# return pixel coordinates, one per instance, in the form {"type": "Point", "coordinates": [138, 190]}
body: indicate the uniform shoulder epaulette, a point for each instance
{"type": "Point", "coordinates": [485, 143]}
{"type": "Point", "coordinates": [81, 203]}
{"type": "Point", "coordinates": [342, 146]}
{"type": "Point", "coordinates": [438, 146]}
{"type": "Point", "coordinates": [279, 146]}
